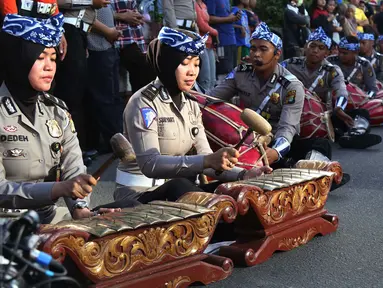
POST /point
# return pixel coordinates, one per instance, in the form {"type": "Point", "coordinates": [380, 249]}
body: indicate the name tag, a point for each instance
{"type": "Point", "coordinates": [44, 8]}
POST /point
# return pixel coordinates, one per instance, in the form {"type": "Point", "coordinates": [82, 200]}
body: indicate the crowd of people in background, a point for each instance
{"type": "Point", "coordinates": [92, 75]}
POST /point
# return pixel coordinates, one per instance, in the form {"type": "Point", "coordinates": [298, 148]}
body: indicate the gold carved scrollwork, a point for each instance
{"type": "Point", "coordinates": [108, 257]}
{"type": "Point", "coordinates": [280, 205]}
{"type": "Point", "coordinates": [175, 283]}
{"type": "Point", "coordinates": [290, 243]}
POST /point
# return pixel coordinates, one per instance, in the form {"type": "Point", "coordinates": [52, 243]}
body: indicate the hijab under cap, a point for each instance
{"type": "Point", "coordinates": [25, 38]}
{"type": "Point", "coordinates": [167, 52]}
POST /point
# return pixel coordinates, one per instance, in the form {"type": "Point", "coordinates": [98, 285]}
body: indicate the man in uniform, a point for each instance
{"type": "Point", "coordinates": [275, 93]}
{"type": "Point", "coordinates": [326, 80]}
{"type": "Point", "coordinates": [367, 50]}
{"type": "Point", "coordinates": [356, 69]}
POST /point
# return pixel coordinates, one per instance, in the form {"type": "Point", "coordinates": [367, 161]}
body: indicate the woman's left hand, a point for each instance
{"type": "Point", "coordinates": [256, 172]}
{"type": "Point", "coordinates": [86, 213]}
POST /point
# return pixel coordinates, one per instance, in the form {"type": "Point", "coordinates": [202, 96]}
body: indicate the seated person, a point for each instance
{"type": "Point", "coordinates": [272, 91]}
{"type": "Point", "coordinates": [40, 159]}
{"type": "Point", "coordinates": [322, 77]}
{"type": "Point", "coordinates": [367, 50]}
{"type": "Point", "coordinates": [356, 69]}
{"type": "Point", "coordinates": [163, 122]}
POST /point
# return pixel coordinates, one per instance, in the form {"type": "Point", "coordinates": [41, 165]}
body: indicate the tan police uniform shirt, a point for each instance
{"type": "Point", "coordinates": [364, 77]}
{"type": "Point", "coordinates": [377, 63]}
{"type": "Point", "coordinates": [80, 9]}
{"type": "Point", "coordinates": [161, 135]}
{"type": "Point", "coordinates": [326, 82]}
{"type": "Point", "coordinates": [284, 108]}
{"type": "Point", "coordinates": [27, 158]}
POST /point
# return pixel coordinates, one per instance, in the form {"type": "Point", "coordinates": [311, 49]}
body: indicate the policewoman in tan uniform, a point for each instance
{"type": "Point", "coordinates": [163, 122]}
{"type": "Point", "coordinates": [40, 158]}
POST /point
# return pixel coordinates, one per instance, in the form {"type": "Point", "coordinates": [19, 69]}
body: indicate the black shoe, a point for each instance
{"type": "Point", "coordinates": [87, 161]}
{"type": "Point", "coordinates": [345, 179]}
{"type": "Point", "coordinates": [92, 154]}
{"type": "Point", "coordinates": [359, 141]}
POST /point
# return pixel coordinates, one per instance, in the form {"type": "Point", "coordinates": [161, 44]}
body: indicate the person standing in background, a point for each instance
{"type": "Point", "coordinates": [132, 43]}
{"type": "Point", "coordinates": [222, 19]}
{"type": "Point", "coordinates": [360, 17]}
{"type": "Point", "coordinates": [207, 73]}
{"type": "Point", "coordinates": [241, 28]}
{"type": "Point", "coordinates": [294, 21]}
{"type": "Point", "coordinates": [251, 16]}
{"type": "Point", "coordinates": [336, 28]}
{"type": "Point", "coordinates": [180, 14]}
{"type": "Point", "coordinates": [378, 20]}
{"type": "Point", "coordinates": [105, 106]}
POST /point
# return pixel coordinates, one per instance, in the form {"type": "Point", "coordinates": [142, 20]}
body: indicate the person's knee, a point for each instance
{"type": "Point", "coordinates": [323, 146]}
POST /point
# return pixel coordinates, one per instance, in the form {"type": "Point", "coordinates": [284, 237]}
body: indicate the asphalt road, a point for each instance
{"type": "Point", "coordinates": [350, 257]}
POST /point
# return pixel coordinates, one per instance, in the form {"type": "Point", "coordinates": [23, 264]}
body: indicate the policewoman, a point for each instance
{"type": "Point", "coordinates": [40, 157]}
{"type": "Point", "coordinates": [163, 122]}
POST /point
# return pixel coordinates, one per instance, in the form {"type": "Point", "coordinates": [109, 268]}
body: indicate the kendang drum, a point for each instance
{"type": "Point", "coordinates": [356, 97]}
{"type": "Point", "coordinates": [379, 94]}
{"type": "Point", "coordinates": [315, 120]}
{"type": "Point", "coordinates": [375, 109]}
{"type": "Point", "coordinates": [224, 128]}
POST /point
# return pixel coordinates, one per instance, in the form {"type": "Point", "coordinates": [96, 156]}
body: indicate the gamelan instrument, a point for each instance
{"type": "Point", "coordinates": [224, 128]}
{"type": "Point", "coordinates": [159, 244]}
{"type": "Point", "coordinates": [315, 120]}
{"type": "Point", "coordinates": [278, 211]}
{"type": "Point", "coordinates": [375, 109]}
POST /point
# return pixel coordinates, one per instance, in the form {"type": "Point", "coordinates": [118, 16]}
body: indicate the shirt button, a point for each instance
{"type": "Point", "coordinates": [41, 160]}
{"type": "Point", "coordinates": [183, 141]}
{"type": "Point", "coordinates": [174, 134]}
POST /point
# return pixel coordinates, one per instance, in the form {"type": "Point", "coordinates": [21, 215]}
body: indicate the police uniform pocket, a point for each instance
{"type": "Point", "coordinates": [167, 128]}
{"type": "Point", "coordinates": [16, 161]}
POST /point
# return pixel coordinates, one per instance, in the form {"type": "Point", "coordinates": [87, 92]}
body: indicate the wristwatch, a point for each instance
{"type": "Point", "coordinates": [79, 205]}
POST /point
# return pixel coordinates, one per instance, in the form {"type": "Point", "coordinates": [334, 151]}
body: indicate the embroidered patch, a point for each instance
{"type": "Point", "coordinates": [290, 97]}
{"type": "Point", "coordinates": [230, 75]}
{"type": "Point", "coordinates": [334, 74]}
{"type": "Point", "coordinates": [54, 128]}
{"type": "Point", "coordinates": [10, 128]}
{"type": "Point", "coordinates": [148, 116]}
{"type": "Point", "coordinates": [321, 82]}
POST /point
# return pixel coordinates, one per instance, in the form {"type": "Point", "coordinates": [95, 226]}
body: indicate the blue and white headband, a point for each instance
{"type": "Point", "coordinates": [46, 32]}
{"type": "Point", "coordinates": [366, 36]}
{"type": "Point", "coordinates": [262, 32]}
{"type": "Point", "coordinates": [343, 44]}
{"type": "Point", "coordinates": [183, 42]}
{"type": "Point", "coordinates": [380, 38]}
{"type": "Point", "coordinates": [320, 35]}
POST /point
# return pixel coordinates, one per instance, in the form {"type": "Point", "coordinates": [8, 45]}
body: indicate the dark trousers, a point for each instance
{"type": "Point", "coordinates": [104, 105]}
{"type": "Point", "coordinates": [70, 80]}
{"type": "Point", "coordinates": [227, 63]}
{"type": "Point", "coordinates": [340, 127]}
{"type": "Point", "coordinates": [140, 71]}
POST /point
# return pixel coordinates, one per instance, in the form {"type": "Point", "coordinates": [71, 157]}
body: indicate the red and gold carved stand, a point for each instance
{"type": "Point", "coordinates": [280, 211]}
{"type": "Point", "coordinates": [159, 244]}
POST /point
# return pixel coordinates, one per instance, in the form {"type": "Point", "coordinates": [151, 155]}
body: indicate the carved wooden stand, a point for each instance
{"type": "Point", "coordinates": [281, 219]}
{"type": "Point", "coordinates": [154, 245]}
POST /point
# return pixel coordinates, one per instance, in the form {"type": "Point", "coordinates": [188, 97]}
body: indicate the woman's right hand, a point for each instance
{"type": "Point", "coordinates": [76, 188]}
{"type": "Point", "coordinates": [223, 159]}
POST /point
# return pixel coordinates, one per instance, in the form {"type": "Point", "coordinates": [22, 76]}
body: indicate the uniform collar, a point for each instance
{"type": "Point", "coordinates": [163, 93]}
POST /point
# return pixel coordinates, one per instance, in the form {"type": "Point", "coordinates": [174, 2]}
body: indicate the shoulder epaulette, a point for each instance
{"type": "Point", "coordinates": [363, 61]}
{"type": "Point", "coordinates": [332, 58]}
{"type": "Point", "coordinates": [285, 80]}
{"type": "Point", "coordinates": [150, 92]}
{"type": "Point", "coordinates": [49, 99]}
{"type": "Point", "coordinates": [245, 68]}
{"type": "Point", "coordinates": [296, 60]}
{"type": "Point", "coordinates": [378, 54]}
{"type": "Point", "coordinates": [328, 67]}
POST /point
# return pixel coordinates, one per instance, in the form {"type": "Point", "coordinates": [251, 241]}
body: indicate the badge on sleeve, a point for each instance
{"type": "Point", "coordinates": [230, 75]}
{"type": "Point", "coordinates": [148, 116]}
{"type": "Point", "coordinates": [334, 74]}
{"type": "Point", "coordinates": [290, 97]}
{"type": "Point", "coordinates": [54, 128]}
{"type": "Point", "coordinates": [71, 123]}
